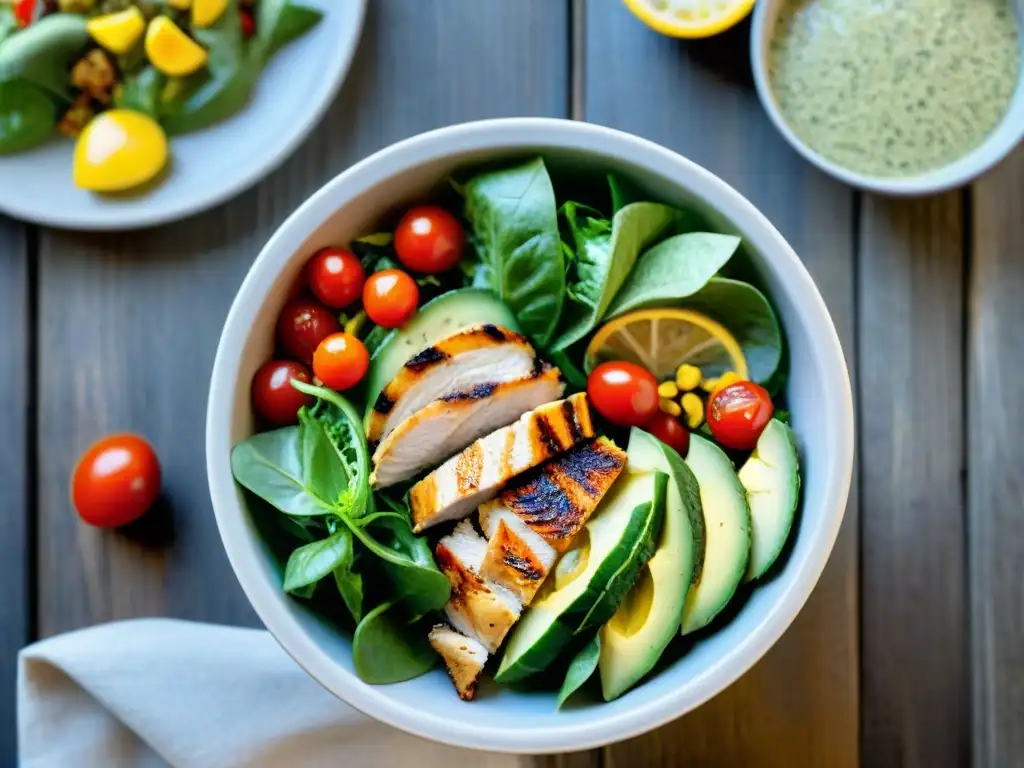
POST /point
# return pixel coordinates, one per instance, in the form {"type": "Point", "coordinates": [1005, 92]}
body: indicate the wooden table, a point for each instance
{"type": "Point", "coordinates": [911, 650]}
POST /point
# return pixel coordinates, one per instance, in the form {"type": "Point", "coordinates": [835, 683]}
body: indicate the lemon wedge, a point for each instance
{"type": "Point", "coordinates": [118, 150]}
{"type": "Point", "coordinates": [170, 50]}
{"type": "Point", "coordinates": [690, 18]}
{"type": "Point", "coordinates": [117, 32]}
{"type": "Point", "coordinates": [661, 340]}
{"type": "Point", "coordinates": [206, 12]}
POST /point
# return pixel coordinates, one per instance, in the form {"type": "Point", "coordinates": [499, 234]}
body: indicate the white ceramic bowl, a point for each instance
{"type": "Point", "coordinates": [503, 719]}
{"type": "Point", "coordinates": [208, 166]}
{"type": "Point", "coordinates": [998, 144]}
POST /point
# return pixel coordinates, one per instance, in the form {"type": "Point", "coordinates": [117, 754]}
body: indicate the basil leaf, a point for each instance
{"type": "Point", "coordinates": [141, 91]}
{"type": "Point", "coordinates": [44, 52]}
{"type": "Point", "coordinates": [748, 315]}
{"type": "Point", "coordinates": [312, 562]}
{"type": "Point", "coordinates": [580, 669]}
{"type": "Point", "coordinates": [514, 219]}
{"type": "Point", "coordinates": [605, 254]}
{"type": "Point", "coordinates": [387, 649]}
{"type": "Point", "coordinates": [28, 116]}
{"type": "Point", "coordinates": [278, 22]}
{"type": "Point", "coordinates": [350, 587]}
{"type": "Point", "coordinates": [269, 465]}
{"type": "Point", "coordinates": [673, 270]}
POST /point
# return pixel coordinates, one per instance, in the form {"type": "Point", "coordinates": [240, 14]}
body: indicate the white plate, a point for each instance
{"type": "Point", "coordinates": [208, 166]}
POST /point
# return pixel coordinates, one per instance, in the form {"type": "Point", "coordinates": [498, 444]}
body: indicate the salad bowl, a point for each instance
{"type": "Point", "coordinates": [525, 719]}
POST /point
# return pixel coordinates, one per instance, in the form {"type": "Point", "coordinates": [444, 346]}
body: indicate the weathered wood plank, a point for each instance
{"type": "Point", "coordinates": [995, 457]}
{"type": "Point", "coordinates": [915, 698]}
{"type": "Point", "coordinates": [15, 421]}
{"type": "Point", "coordinates": [799, 705]}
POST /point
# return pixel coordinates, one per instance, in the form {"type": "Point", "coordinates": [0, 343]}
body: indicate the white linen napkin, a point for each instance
{"type": "Point", "coordinates": [158, 692]}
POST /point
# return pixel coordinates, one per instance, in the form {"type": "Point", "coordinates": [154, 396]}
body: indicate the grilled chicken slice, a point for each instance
{"type": "Point", "coordinates": [476, 608]}
{"type": "Point", "coordinates": [479, 354]}
{"type": "Point", "coordinates": [478, 473]}
{"type": "Point", "coordinates": [444, 427]}
{"type": "Point", "coordinates": [463, 656]}
{"type": "Point", "coordinates": [536, 517]}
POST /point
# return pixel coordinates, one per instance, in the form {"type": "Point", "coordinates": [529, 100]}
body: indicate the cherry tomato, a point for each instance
{"type": "Point", "coordinates": [390, 297]}
{"type": "Point", "coordinates": [336, 277]}
{"type": "Point", "coordinates": [624, 393]}
{"type": "Point", "coordinates": [274, 398]}
{"type": "Point", "coordinates": [670, 431]}
{"type": "Point", "coordinates": [116, 481]}
{"type": "Point", "coordinates": [23, 11]}
{"type": "Point", "coordinates": [429, 239]}
{"type": "Point", "coordinates": [341, 361]}
{"type": "Point", "coordinates": [737, 414]}
{"type": "Point", "coordinates": [248, 23]}
{"type": "Point", "coordinates": [302, 326]}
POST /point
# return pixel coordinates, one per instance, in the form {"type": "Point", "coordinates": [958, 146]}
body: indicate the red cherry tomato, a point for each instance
{"type": "Point", "coordinates": [274, 398]}
{"type": "Point", "coordinates": [116, 481]}
{"type": "Point", "coordinates": [624, 393]}
{"type": "Point", "coordinates": [341, 361]}
{"type": "Point", "coordinates": [429, 239]}
{"type": "Point", "coordinates": [336, 277]}
{"type": "Point", "coordinates": [668, 429]}
{"type": "Point", "coordinates": [248, 23]}
{"type": "Point", "coordinates": [23, 10]}
{"type": "Point", "coordinates": [302, 326]}
{"type": "Point", "coordinates": [738, 414]}
{"type": "Point", "coordinates": [390, 297]}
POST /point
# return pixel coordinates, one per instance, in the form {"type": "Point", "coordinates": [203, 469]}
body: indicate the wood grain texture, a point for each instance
{"type": "Point", "coordinates": [915, 697]}
{"type": "Point", "coordinates": [799, 705]}
{"type": "Point", "coordinates": [995, 471]}
{"type": "Point", "coordinates": [15, 507]}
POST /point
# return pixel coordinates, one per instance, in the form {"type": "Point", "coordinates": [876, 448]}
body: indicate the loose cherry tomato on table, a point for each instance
{"type": "Point", "coordinates": [737, 414]}
{"type": "Point", "coordinates": [274, 398]}
{"type": "Point", "coordinates": [116, 480]}
{"type": "Point", "coordinates": [390, 297]}
{"type": "Point", "coordinates": [624, 393]}
{"type": "Point", "coordinates": [670, 431]}
{"type": "Point", "coordinates": [336, 277]}
{"type": "Point", "coordinates": [302, 326]}
{"type": "Point", "coordinates": [341, 361]}
{"type": "Point", "coordinates": [428, 239]}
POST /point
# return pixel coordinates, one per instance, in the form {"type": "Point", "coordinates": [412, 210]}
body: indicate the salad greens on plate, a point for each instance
{"type": "Point", "coordinates": [546, 437]}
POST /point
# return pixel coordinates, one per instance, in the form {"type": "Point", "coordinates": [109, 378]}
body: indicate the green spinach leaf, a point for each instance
{"type": "Point", "coordinates": [269, 464]}
{"type": "Point", "coordinates": [514, 219]}
{"type": "Point", "coordinates": [673, 270]}
{"type": "Point", "coordinates": [388, 649]}
{"type": "Point", "coordinates": [28, 116]}
{"type": "Point", "coordinates": [278, 22]}
{"type": "Point", "coordinates": [8, 24]}
{"type": "Point", "coordinates": [312, 562]}
{"type": "Point", "coordinates": [623, 192]}
{"type": "Point", "coordinates": [605, 254]}
{"type": "Point", "coordinates": [580, 669]}
{"type": "Point", "coordinates": [350, 587]}
{"type": "Point", "coordinates": [141, 91]}
{"type": "Point", "coordinates": [44, 52]}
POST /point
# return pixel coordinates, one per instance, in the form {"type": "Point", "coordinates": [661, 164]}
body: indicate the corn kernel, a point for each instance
{"type": "Point", "coordinates": [671, 407]}
{"type": "Point", "coordinates": [687, 377]}
{"type": "Point", "coordinates": [693, 406]}
{"type": "Point", "coordinates": [668, 389]}
{"type": "Point", "coordinates": [709, 385]}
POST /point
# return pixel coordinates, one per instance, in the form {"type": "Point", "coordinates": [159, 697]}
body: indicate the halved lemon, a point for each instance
{"type": "Point", "coordinates": [661, 340]}
{"type": "Point", "coordinates": [690, 18]}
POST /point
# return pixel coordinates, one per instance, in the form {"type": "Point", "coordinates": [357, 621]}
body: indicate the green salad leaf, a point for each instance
{"type": "Point", "coordinates": [28, 116]}
{"type": "Point", "coordinates": [269, 464]}
{"type": "Point", "coordinates": [514, 220]}
{"type": "Point", "coordinates": [580, 669]}
{"type": "Point", "coordinates": [623, 192]}
{"type": "Point", "coordinates": [141, 91]}
{"type": "Point", "coordinates": [278, 22]}
{"type": "Point", "coordinates": [605, 255]}
{"type": "Point", "coordinates": [8, 24]}
{"type": "Point", "coordinates": [388, 649]}
{"type": "Point", "coordinates": [673, 270]}
{"type": "Point", "coordinates": [44, 52]}
{"type": "Point", "coordinates": [350, 587]}
{"type": "Point", "coordinates": [312, 562]}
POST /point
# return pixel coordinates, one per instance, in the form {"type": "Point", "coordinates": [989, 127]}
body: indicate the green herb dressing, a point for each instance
{"type": "Point", "coordinates": [894, 87]}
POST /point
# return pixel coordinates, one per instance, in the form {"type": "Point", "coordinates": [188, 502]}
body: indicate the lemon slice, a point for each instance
{"type": "Point", "coordinates": [690, 18]}
{"type": "Point", "coordinates": [661, 340]}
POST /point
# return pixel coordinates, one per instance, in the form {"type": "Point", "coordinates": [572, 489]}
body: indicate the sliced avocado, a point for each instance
{"type": "Point", "coordinates": [593, 575]}
{"type": "Point", "coordinates": [771, 477]}
{"type": "Point", "coordinates": [434, 321]}
{"type": "Point", "coordinates": [727, 533]}
{"type": "Point", "coordinates": [650, 615]}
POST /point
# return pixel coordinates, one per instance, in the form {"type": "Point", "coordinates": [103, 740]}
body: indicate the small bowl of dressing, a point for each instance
{"type": "Point", "coordinates": [899, 97]}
